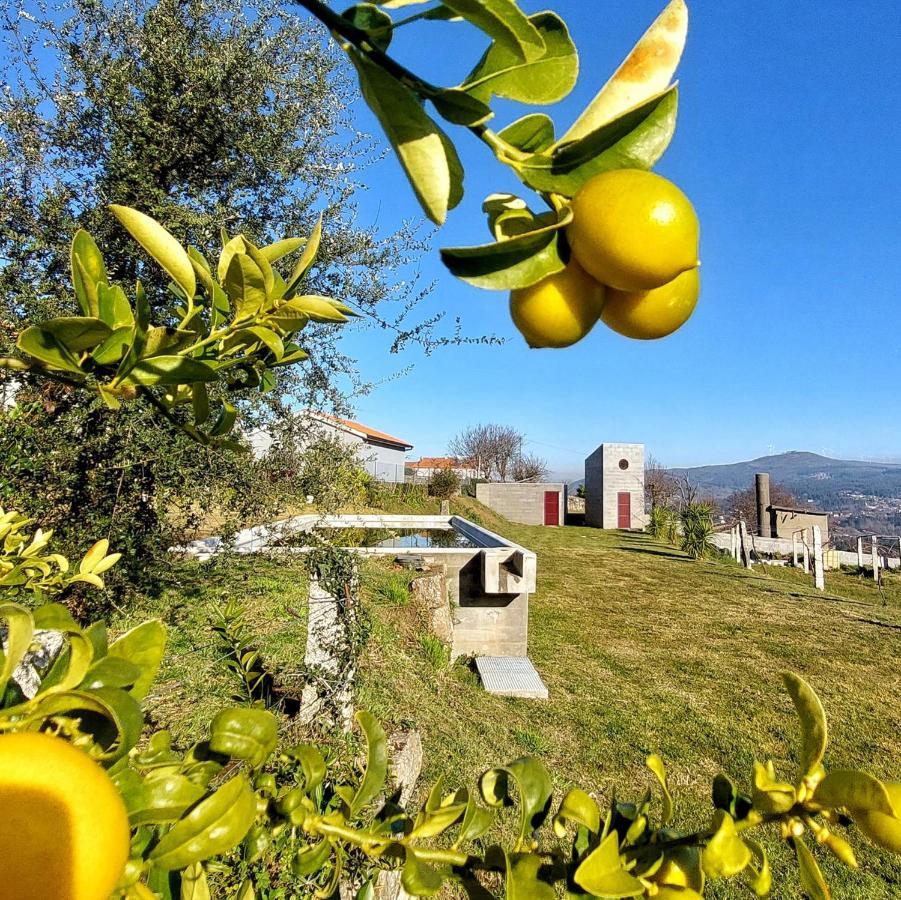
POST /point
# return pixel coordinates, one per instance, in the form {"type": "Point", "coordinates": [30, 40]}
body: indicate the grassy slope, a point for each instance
{"type": "Point", "coordinates": [645, 650]}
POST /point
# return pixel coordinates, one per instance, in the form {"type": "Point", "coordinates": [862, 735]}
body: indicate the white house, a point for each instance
{"type": "Point", "coordinates": [426, 467]}
{"type": "Point", "coordinates": [382, 455]}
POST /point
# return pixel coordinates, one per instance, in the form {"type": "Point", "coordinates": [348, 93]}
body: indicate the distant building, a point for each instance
{"type": "Point", "coordinates": [784, 521]}
{"type": "Point", "coordinates": [614, 486]}
{"type": "Point", "coordinates": [426, 467]}
{"type": "Point", "coordinates": [382, 455]}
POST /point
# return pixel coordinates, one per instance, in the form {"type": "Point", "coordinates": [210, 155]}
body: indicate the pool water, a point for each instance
{"type": "Point", "coordinates": [401, 538]}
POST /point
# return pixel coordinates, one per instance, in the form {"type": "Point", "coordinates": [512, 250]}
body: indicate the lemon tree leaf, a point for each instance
{"type": "Point", "coordinates": [374, 21]}
{"type": "Point", "coordinates": [601, 872]}
{"type": "Point", "coordinates": [533, 790]}
{"type": "Point", "coordinates": [376, 770]}
{"type": "Point", "coordinates": [770, 795]}
{"type": "Point", "coordinates": [307, 258]}
{"type": "Point", "coordinates": [43, 345]}
{"type": "Point", "coordinates": [274, 252]}
{"type": "Point", "coordinates": [418, 878]}
{"type": "Point", "coordinates": [523, 882]}
{"type": "Point", "coordinates": [811, 877]}
{"type": "Point", "coordinates": [532, 133]}
{"type": "Point", "coordinates": [424, 152]}
{"type": "Point", "coordinates": [161, 245]}
{"type": "Point", "coordinates": [762, 876]}
{"type": "Point", "coordinates": [577, 808]}
{"type": "Point", "coordinates": [194, 885]}
{"type": "Point", "coordinates": [88, 271]}
{"type": "Point", "coordinates": [245, 285]}
{"type": "Point", "coordinates": [157, 799]}
{"type": "Point", "coordinates": [249, 734]}
{"type": "Point", "coordinates": [142, 646]}
{"type": "Point", "coordinates": [850, 789]}
{"type": "Point", "coordinates": [636, 140]}
{"type": "Point", "coordinates": [540, 80]}
{"type": "Point", "coordinates": [514, 263]}
{"type": "Point", "coordinates": [814, 731]}
{"type": "Point", "coordinates": [505, 22]}
{"type": "Point", "coordinates": [19, 631]}
{"type": "Point", "coordinates": [461, 108]}
{"type": "Point", "coordinates": [170, 370]}
{"type": "Point", "coordinates": [726, 854]}
{"type": "Point", "coordinates": [113, 306]}
{"type": "Point", "coordinates": [655, 764]}
{"type": "Point", "coordinates": [646, 71]}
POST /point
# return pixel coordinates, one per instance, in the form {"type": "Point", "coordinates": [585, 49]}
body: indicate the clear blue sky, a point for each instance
{"type": "Point", "coordinates": [789, 145]}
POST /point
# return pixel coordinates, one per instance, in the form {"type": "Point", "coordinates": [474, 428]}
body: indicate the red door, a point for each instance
{"type": "Point", "coordinates": [623, 510]}
{"type": "Point", "coordinates": [552, 507]}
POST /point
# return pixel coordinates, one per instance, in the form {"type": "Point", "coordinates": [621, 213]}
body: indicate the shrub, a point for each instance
{"type": "Point", "coordinates": [436, 652]}
{"type": "Point", "coordinates": [697, 529]}
{"type": "Point", "coordinates": [444, 484]}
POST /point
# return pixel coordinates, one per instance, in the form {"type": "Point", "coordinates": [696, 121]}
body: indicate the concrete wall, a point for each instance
{"type": "Point", "coordinates": [522, 503]}
{"type": "Point", "coordinates": [785, 521]}
{"type": "Point", "coordinates": [605, 479]}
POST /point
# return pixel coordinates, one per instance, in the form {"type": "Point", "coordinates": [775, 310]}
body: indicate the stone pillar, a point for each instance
{"type": "Point", "coordinates": [795, 554]}
{"type": "Point", "coordinates": [763, 504]}
{"type": "Point", "coordinates": [819, 579]}
{"type": "Point", "coordinates": [875, 549]}
{"type": "Point", "coordinates": [745, 544]}
{"type": "Point", "coordinates": [860, 553]}
{"type": "Point", "coordinates": [806, 551]}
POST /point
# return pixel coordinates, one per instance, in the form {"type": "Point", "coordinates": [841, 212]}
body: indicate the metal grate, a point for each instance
{"type": "Point", "coordinates": [511, 676]}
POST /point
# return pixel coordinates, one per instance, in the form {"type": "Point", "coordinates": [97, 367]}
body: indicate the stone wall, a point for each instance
{"type": "Point", "coordinates": [521, 503]}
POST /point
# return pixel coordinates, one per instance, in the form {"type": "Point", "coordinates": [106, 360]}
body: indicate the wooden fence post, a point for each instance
{"type": "Point", "coordinates": [819, 578]}
{"type": "Point", "coordinates": [860, 553]}
{"type": "Point", "coordinates": [875, 549]}
{"type": "Point", "coordinates": [745, 545]}
{"type": "Point", "coordinates": [795, 554]}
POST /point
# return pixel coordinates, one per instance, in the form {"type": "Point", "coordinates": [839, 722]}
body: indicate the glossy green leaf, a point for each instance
{"type": "Point", "coordinates": [319, 309]}
{"type": "Point", "coordinates": [311, 859]}
{"type": "Point", "coordinates": [577, 808]}
{"type": "Point", "coordinates": [811, 877]}
{"type": "Point", "coordinates": [424, 152]}
{"type": "Point", "coordinates": [202, 270]}
{"type": "Point", "coordinates": [518, 262]}
{"type": "Point", "coordinates": [262, 263]}
{"type": "Point", "coordinates": [113, 306]}
{"type": "Point", "coordinates": [110, 351]}
{"type": "Point", "coordinates": [761, 876]}
{"type": "Point", "coordinates": [158, 798]}
{"type": "Point", "coordinates": [41, 344]}
{"type": "Point", "coordinates": [213, 826]}
{"type": "Point", "coordinates": [307, 258]}
{"type": "Point", "coordinates": [194, 885]}
{"type": "Point", "coordinates": [88, 271]}
{"type": "Point", "coordinates": [601, 872]}
{"type": "Point", "coordinates": [655, 764]}
{"type": "Point", "coordinates": [419, 878]}
{"type": "Point", "coordinates": [170, 370]}
{"type": "Point", "coordinates": [111, 671]}
{"type": "Point", "coordinates": [533, 133]}
{"type": "Point", "coordinates": [376, 771]}
{"type": "Point", "coordinates": [20, 630]}
{"type": "Point", "coordinates": [770, 795]}
{"type": "Point", "coordinates": [248, 734]}
{"type": "Point", "coordinates": [143, 646]}
{"type": "Point", "coordinates": [278, 250]}
{"type": "Point", "coordinates": [503, 21]}
{"type": "Point", "coordinates": [457, 106]}
{"type": "Point", "coordinates": [139, 333]}
{"type": "Point", "coordinates": [476, 821]}
{"type": "Point", "coordinates": [636, 140]}
{"type": "Point", "coordinates": [375, 22]}
{"type": "Point", "coordinates": [542, 80]}
{"type": "Point", "coordinates": [523, 881]}
{"type": "Point", "coordinates": [850, 789]}
{"type": "Point", "coordinates": [533, 789]}
{"type": "Point", "coordinates": [245, 285]}
{"type": "Point", "coordinates": [161, 245]}
{"type": "Point", "coordinates": [165, 339]}
{"type": "Point", "coordinates": [726, 854]}
{"type": "Point", "coordinates": [814, 731]}
{"type": "Point", "coordinates": [225, 420]}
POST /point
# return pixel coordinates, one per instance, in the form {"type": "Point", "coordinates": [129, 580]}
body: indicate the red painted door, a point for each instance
{"type": "Point", "coordinates": [552, 507]}
{"type": "Point", "coordinates": [623, 510]}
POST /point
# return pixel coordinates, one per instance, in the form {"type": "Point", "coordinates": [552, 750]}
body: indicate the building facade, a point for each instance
{"type": "Point", "coordinates": [426, 467]}
{"type": "Point", "coordinates": [528, 503]}
{"type": "Point", "coordinates": [614, 487]}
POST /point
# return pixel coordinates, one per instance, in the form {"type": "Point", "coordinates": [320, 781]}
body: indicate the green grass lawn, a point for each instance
{"type": "Point", "coordinates": [643, 650]}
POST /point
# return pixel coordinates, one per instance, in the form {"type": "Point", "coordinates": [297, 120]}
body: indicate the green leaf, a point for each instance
{"type": "Point", "coordinates": [312, 763]}
{"type": "Point", "coordinates": [814, 731]}
{"type": "Point", "coordinates": [245, 285]}
{"type": "Point", "coordinates": [170, 370]}
{"type": "Point", "coordinates": [20, 630]}
{"type": "Point", "coordinates": [111, 671]}
{"type": "Point", "coordinates": [42, 345]}
{"type": "Point", "coordinates": [515, 263]}
{"type": "Point", "coordinates": [726, 854]}
{"type": "Point", "coordinates": [769, 795]}
{"type": "Point", "coordinates": [601, 872]}
{"type": "Point", "coordinates": [811, 877]}
{"type": "Point", "coordinates": [274, 252]}
{"type": "Point", "coordinates": [307, 258]}
{"type": "Point", "coordinates": [636, 140]}
{"type": "Point", "coordinates": [139, 333]}
{"type": "Point", "coordinates": [542, 80]}
{"type": "Point", "coordinates": [143, 646]}
{"type": "Point", "coordinates": [375, 22]}
{"type": "Point", "coordinates": [311, 859]}
{"type": "Point", "coordinates": [577, 808]}
{"type": "Point", "coordinates": [77, 333]}
{"type": "Point", "coordinates": [762, 877]}
{"type": "Point", "coordinates": [461, 108]}
{"type": "Point", "coordinates": [533, 786]}
{"type": "Point", "coordinates": [194, 885]}
{"type": "Point", "coordinates": [523, 881]}
{"type": "Point", "coordinates": [531, 134]}
{"type": "Point", "coordinates": [113, 348]}
{"type": "Point", "coordinates": [655, 764]}
{"type": "Point", "coordinates": [225, 420]}
{"type": "Point", "coordinates": [248, 734]}
{"type": "Point", "coordinates": [114, 308]}
{"type": "Point", "coordinates": [376, 770]}
{"type": "Point", "coordinates": [88, 271]}
{"type": "Point", "coordinates": [476, 821]}
{"type": "Point", "coordinates": [157, 798]}
{"type": "Point", "coordinates": [419, 878]}
{"type": "Point", "coordinates": [165, 338]}
{"type": "Point", "coordinates": [213, 826]}
{"type": "Point", "coordinates": [164, 248]}
{"type": "Point", "coordinates": [503, 21]}
{"type": "Point", "coordinates": [427, 156]}
{"type": "Point", "coordinates": [850, 789]}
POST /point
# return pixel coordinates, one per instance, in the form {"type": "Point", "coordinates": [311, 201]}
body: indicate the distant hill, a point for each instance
{"type": "Point", "coordinates": [808, 476]}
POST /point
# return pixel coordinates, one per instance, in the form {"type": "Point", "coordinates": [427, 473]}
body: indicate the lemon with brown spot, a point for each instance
{"type": "Point", "coordinates": [64, 831]}
{"type": "Point", "coordinates": [559, 310]}
{"type": "Point", "coordinates": [652, 314]}
{"type": "Point", "coordinates": [633, 230]}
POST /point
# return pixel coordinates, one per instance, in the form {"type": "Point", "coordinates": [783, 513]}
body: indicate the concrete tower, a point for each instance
{"type": "Point", "coordinates": [614, 486]}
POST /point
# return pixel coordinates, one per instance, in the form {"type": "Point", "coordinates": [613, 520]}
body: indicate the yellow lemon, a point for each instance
{"type": "Point", "coordinates": [883, 830]}
{"type": "Point", "coordinates": [63, 827]}
{"type": "Point", "coordinates": [633, 230]}
{"type": "Point", "coordinates": [559, 310]}
{"type": "Point", "coordinates": [654, 313]}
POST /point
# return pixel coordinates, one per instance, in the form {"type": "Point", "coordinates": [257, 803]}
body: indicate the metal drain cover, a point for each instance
{"type": "Point", "coordinates": [511, 676]}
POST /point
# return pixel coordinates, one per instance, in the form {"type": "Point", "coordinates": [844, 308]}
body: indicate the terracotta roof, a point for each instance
{"type": "Point", "coordinates": [365, 430]}
{"type": "Point", "coordinates": [441, 462]}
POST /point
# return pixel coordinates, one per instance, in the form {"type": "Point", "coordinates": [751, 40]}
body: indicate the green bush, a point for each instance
{"type": "Point", "coordinates": [696, 524]}
{"type": "Point", "coordinates": [444, 484]}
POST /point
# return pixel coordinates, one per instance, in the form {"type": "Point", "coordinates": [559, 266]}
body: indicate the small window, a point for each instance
{"type": "Point", "coordinates": [624, 464]}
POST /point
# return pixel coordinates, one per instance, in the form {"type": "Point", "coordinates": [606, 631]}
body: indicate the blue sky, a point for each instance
{"type": "Point", "coordinates": [789, 145]}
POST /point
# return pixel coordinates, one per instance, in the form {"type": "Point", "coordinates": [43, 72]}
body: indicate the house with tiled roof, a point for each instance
{"type": "Point", "coordinates": [426, 467]}
{"type": "Point", "coordinates": [382, 455]}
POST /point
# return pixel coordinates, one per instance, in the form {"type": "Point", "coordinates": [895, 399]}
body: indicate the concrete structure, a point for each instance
{"type": "Point", "coordinates": [783, 521]}
{"type": "Point", "coordinates": [382, 455]}
{"type": "Point", "coordinates": [426, 467]}
{"type": "Point", "coordinates": [614, 487]}
{"type": "Point", "coordinates": [528, 503]}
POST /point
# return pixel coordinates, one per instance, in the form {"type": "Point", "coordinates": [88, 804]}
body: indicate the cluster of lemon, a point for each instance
{"type": "Point", "coordinates": [634, 264]}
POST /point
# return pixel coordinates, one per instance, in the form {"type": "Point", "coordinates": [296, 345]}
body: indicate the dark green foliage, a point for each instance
{"type": "Point", "coordinates": [696, 528]}
{"type": "Point", "coordinates": [444, 484]}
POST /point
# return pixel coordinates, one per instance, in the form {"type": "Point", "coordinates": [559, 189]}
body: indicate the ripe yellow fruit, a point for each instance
{"type": "Point", "coordinates": [559, 310]}
{"type": "Point", "coordinates": [63, 827]}
{"type": "Point", "coordinates": [633, 230]}
{"type": "Point", "coordinates": [655, 313]}
{"type": "Point", "coordinates": [882, 830]}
